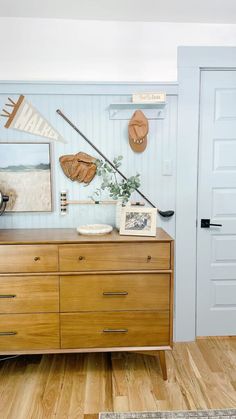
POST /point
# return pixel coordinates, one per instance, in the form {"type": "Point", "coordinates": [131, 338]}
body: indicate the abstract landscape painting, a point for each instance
{"type": "Point", "coordinates": [25, 175]}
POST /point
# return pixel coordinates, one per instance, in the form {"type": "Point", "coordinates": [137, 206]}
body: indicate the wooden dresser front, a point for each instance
{"type": "Point", "coordinates": [63, 292]}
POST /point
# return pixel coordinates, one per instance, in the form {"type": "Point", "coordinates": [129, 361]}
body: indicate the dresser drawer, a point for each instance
{"type": "Point", "coordinates": [28, 258]}
{"type": "Point", "coordinates": [114, 292]}
{"type": "Point", "coordinates": [114, 256]}
{"type": "Point", "coordinates": [29, 331]}
{"type": "Point", "coordinates": [29, 294]}
{"type": "Point", "coordinates": [116, 329]}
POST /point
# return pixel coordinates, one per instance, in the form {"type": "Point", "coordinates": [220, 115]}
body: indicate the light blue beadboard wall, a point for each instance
{"type": "Point", "coordinates": [87, 106]}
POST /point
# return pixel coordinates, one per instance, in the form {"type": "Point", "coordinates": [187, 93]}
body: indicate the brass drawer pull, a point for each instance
{"type": "Point", "coordinates": [115, 330]}
{"type": "Point", "coordinates": [8, 333]}
{"type": "Point", "coordinates": [149, 258]}
{"type": "Point", "coordinates": [81, 258]}
{"type": "Point", "coordinates": [7, 295]}
{"type": "Point", "coordinates": [111, 293]}
{"type": "Point", "coordinates": [36, 258]}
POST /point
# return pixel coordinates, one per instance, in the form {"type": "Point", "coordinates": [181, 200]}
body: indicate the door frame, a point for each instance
{"type": "Point", "coordinates": [191, 61]}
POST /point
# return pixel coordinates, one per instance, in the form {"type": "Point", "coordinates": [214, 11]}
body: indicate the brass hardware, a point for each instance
{"type": "Point", "coordinates": [115, 330]}
{"type": "Point", "coordinates": [8, 333]}
{"type": "Point", "coordinates": [149, 258]}
{"type": "Point", "coordinates": [110, 293]}
{"type": "Point", "coordinates": [7, 296]}
{"type": "Point", "coordinates": [36, 258]}
{"type": "Point", "coordinates": [81, 257]}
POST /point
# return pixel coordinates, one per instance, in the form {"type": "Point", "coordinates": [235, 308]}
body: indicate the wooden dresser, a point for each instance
{"type": "Point", "coordinates": [63, 292]}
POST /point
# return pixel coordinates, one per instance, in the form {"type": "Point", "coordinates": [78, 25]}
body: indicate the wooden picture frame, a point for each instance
{"type": "Point", "coordinates": [136, 221]}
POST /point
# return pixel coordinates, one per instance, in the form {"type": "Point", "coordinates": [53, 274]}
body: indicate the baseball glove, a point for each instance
{"type": "Point", "coordinates": [80, 167]}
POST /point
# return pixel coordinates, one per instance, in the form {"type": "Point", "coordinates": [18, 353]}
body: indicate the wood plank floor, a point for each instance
{"type": "Point", "coordinates": [201, 375]}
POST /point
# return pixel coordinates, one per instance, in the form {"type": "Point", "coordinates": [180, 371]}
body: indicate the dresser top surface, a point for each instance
{"type": "Point", "coordinates": [70, 235]}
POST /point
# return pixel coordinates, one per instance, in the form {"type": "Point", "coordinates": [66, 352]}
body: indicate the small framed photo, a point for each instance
{"type": "Point", "coordinates": [136, 221]}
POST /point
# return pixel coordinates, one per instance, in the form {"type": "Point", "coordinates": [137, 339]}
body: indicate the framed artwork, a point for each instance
{"type": "Point", "coordinates": [138, 221]}
{"type": "Point", "coordinates": [25, 175]}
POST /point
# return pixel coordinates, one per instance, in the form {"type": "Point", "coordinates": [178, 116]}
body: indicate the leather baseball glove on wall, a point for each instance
{"type": "Point", "coordinates": [80, 167]}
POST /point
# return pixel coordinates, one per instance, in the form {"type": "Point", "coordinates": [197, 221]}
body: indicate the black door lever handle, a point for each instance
{"type": "Point", "coordinates": [205, 223]}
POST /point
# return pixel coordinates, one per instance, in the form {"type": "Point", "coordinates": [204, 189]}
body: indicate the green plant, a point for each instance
{"type": "Point", "coordinates": [117, 189]}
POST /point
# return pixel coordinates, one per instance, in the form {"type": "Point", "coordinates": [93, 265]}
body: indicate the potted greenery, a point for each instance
{"type": "Point", "coordinates": [119, 190]}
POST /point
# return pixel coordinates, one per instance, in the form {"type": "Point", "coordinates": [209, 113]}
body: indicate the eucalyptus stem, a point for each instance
{"type": "Point", "coordinates": [117, 190]}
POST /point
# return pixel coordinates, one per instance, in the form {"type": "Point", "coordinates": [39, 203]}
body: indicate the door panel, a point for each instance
{"type": "Point", "coordinates": [224, 293]}
{"type": "Point", "coordinates": [225, 100]}
{"type": "Point", "coordinates": [224, 202]}
{"type": "Point", "coordinates": [223, 249]}
{"type": "Point", "coordinates": [216, 247]}
{"type": "Point", "coordinates": [224, 155]}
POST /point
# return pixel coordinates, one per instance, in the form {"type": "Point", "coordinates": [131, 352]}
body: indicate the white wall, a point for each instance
{"type": "Point", "coordinates": [46, 49]}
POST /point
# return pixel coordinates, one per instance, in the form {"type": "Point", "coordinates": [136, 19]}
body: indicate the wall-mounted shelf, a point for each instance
{"type": "Point", "coordinates": [125, 110]}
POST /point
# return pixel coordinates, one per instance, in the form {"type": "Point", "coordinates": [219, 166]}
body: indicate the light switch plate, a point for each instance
{"type": "Point", "coordinates": [167, 168]}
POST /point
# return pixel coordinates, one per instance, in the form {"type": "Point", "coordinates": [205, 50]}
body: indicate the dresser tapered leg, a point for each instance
{"type": "Point", "coordinates": [162, 358]}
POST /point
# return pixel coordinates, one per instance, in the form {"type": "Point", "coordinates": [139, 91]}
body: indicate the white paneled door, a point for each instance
{"type": "Point", "coordinates": [216, 247]}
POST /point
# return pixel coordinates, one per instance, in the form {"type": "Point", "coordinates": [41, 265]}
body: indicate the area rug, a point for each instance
{"type": "Point", "coordinates": [179, 414]}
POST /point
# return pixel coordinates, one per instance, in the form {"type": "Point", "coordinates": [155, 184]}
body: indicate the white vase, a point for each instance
{"type": "Point", "coordinates": [119, 207]}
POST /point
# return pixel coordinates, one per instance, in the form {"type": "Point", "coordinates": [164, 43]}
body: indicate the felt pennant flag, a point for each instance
{"type": "Point", "coordinates": [24, 117]}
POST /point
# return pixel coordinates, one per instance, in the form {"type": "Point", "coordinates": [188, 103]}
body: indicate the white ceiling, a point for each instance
{"type": "Point", "coordinates": [205, 11]}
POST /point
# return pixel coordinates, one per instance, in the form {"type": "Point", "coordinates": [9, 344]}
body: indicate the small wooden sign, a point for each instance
{"type": "Point", "coordinates": [149, 97]}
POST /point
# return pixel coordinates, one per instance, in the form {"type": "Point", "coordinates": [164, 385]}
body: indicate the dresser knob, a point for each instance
{"type": "Point", "coordinates": [36, 258]}
{"type": "Point", "coordinates": [149, 258]}
{"type": "Point", "coordinates": [81, 257]}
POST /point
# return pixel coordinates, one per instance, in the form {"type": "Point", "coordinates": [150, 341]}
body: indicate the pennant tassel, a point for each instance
{"type": "Point", "coordinates": [6, 113]}
{"type": "Point", "coordinates": [12, 101]}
